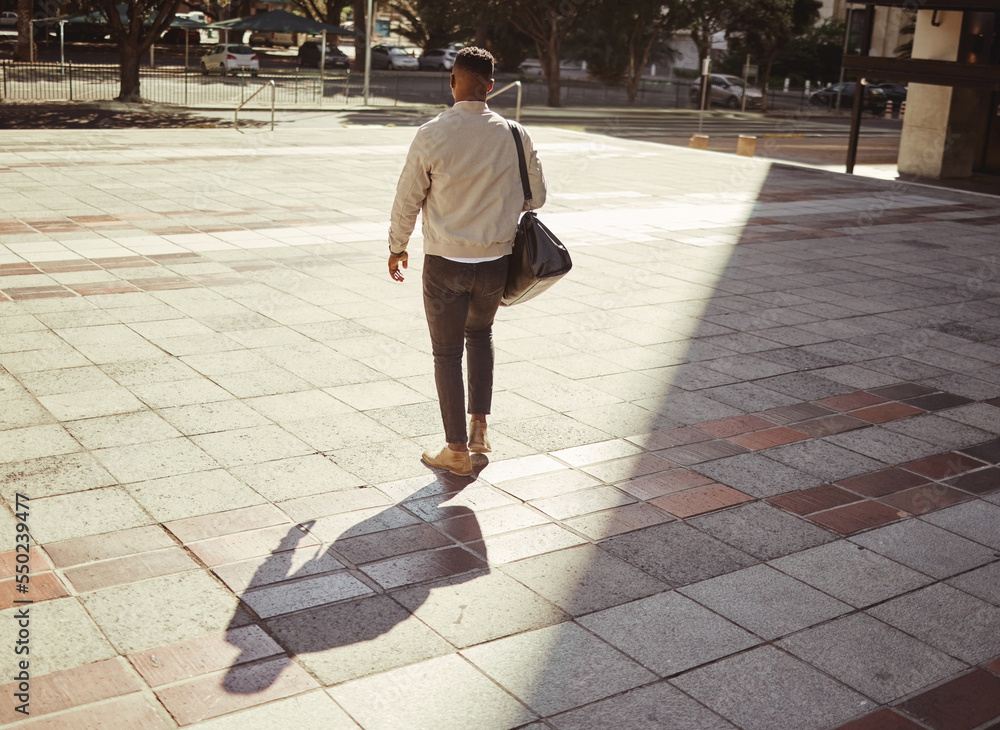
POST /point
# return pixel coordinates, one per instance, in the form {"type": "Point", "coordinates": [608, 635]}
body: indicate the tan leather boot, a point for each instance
{"type": "Point", "coordinates": [457, 462]}
{"type": "Point", "coordinates": [478, 442]}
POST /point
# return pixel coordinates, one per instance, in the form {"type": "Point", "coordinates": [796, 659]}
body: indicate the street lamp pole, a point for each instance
{"type": "Point", "coordinates": [369, 24]}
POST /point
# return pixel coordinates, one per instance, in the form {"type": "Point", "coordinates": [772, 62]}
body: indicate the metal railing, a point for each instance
{"type": "Point", "coordinates": [512, 84]}
{"type": "Point", "coordinates": [236, 114]}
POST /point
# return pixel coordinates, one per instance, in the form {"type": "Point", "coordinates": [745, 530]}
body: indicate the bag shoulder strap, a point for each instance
{"type": "Point", "coordinates": [525, 185]}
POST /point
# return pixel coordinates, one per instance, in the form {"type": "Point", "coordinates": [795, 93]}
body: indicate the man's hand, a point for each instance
{"type": "Point", "coordinates": [394, 262]}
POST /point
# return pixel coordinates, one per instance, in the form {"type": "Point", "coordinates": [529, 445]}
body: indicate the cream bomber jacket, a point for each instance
{"type": "Point", "coordinates": [462, 172]}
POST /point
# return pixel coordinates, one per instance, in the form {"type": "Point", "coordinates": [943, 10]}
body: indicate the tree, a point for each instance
{"type": "Point", "coordinates": [433, 23]}
{"type": "Point", "coordinates": [547, 23]}
{"type": "Point", "coordinates": [134, 25]}
{"type": "Point", "coordinates": [325, 11]}
{"type": "Point", "coordinates": [706, 18]}
{"type": "Point", "coordinates": [23, 50]}
{"type": "Point", "coordinates": [360, 35]}
{"type": "Point", "coordinates": [764, 28]}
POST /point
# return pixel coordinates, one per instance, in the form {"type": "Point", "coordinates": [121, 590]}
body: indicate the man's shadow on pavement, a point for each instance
{"type": "Point", "coordinates": [448, 560]}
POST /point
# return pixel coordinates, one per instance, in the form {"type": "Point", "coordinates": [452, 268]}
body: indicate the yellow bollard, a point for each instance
{"type": "Point", "coordinates": [698, 141]}
{"type": "Point", "coordinates": [746, 145]}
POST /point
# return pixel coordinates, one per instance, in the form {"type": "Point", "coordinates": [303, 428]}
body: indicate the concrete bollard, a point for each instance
{"type": "Point", "coordinates": [698, 141]}
{"type": "Point", "coordinates": [888, 109]}
{"type": "Point", "coordinates": [746, 145]}
{"type": "Point", "coordinates": [902, 109]}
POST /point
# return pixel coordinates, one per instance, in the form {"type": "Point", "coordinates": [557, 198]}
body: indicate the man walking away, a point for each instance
{"type": "Point", "coordinates": [462, 172]}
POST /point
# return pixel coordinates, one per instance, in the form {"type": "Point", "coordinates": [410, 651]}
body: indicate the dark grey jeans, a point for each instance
{"type": "Point", "coordinates": [461, 301]}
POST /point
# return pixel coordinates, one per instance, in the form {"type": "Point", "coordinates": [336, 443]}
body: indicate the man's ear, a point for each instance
{"type": "Point", "coordinates": [452, 82]}
{"type": "Point", "coordinates": [489, 86]}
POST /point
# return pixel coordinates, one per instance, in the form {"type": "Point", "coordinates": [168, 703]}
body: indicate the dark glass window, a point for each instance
{"type": "Point", "coordinates": [979, 42]}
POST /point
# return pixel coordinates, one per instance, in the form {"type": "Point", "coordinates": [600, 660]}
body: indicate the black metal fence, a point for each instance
{"type": "Point", "coordinates": [295, 87]}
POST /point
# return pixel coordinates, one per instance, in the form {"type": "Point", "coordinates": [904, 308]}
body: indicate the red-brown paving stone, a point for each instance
{"type": "Point", "coordinates": [130, 711]}
{"type": "Point", "coordinates": [700, 500]}
{"type": "Point", "coordinates": [921, 500]}
{"type": "Point", "coordinates": [815, 499]}
{"type": "Point", "coordinates": [71, 688]}
{"type": "Point", "coordinates": [242, 545]}
{"type": "Point", "coordinates": [995, 402]}
{"type": "Point", "coordinates": [240, 687]}
{"type": "Point", "coordinates": [19, 294]}
{"type": "Point", "coordinates": [829, 425]}
{"type": "Point", "coordinates": [938, 401]}
{"type": "Point", "coordinates": [902, 390]}
{"type": "Point", "coordinates": [112, 545]}
{"type": "Point", "coordinates": [667, 482]}
{"type": "Point", "coordinates": [381, 545]}
{"type": "Point", "coordinates": [203, 527]}
{"type": "Point", "coordinates": [880, 483]}
{"type": "Point", "coordinates": [943, 466]}
{"type": "Point", "coordinates": [985, 481]}
{"type": "Point", "coordinates": [857, 516]}
{"type": "Point", "coordinates": [704, 451]}
{"type": "Point", "coordinates": [422, 566]}
{"type": "Point", "coordinates": [884, 719]}
{"type": "Point", "coordinates": [167, 286]}
{"type": "Point", "coordinates": [766, 439]}
{"type": "Point", "coordinates": [669, 438]}
{"type": "Point", "coordinates": [851, 401]}
{"type": "Point", "coordinates": [994, 666]}
{"type": "Point", "coordinates": [961, 704]}
{"type": "Point", "coordinates": [723, 427]}
{"type": "Point", "coordinates": [36, 560]}
{"type": "Point", "coordinates": [41, 587]}
{"type": "Point", "coordinates": [129, 569]}
{"type": "Point", "coordinates": [204, 655]}
{"type": "Point", "coordinates": [886, 412]}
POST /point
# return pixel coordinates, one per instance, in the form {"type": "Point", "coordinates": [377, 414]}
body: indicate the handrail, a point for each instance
{"type": "Point", "coordinates": [517, 111]}
{"type": "Point", "coordinates": [236, 114]}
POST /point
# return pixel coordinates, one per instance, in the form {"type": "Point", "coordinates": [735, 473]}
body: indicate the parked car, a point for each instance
{"type": "Point", "coordinates": [176, 36]}
{"type": "Point", "coordinates": [438, 59]}
{"type": "Point", "coordinates": [874, 98]}
{"type": "Point", "coordinates": [728, 91]}
{"type": "Point", "coordinates": [309, 55]}
{"type": "Point", "coordinates": [896, 93]}
{"type": "Point", "coordinates": [393, 57]}
{"type": "Point", "coordinates": [230, 58]}
{"type": "Point", "coordinates": [286, 40]}
{"type": "Point", "coordinates": [8, 18]}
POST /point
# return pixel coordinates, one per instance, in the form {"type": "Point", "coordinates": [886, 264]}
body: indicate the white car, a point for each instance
{"type": "Point", "coordinates": [230, 58]}
{"type": "Point", "coordinates": [8, 18]}
{"type": "Point", "coordinates": [393, 58]}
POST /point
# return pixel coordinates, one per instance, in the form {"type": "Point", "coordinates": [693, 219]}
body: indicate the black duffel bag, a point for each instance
{"type": "Point", "coordinates": [538, 259]}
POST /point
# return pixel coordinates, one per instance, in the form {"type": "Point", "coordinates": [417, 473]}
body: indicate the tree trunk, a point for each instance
{"type": "Point", "coordinates": [482, 35]}
{"type": "Point", "coordinates": [550, 56]}
{"type": "Point", "coordinates": [129, 72]}
{"type": "Point", "coordinates": [24, 12]}
{"type": "Point", "coordinates": [360, 37]}
{"type": "Point", "coordinates": [767, 83]}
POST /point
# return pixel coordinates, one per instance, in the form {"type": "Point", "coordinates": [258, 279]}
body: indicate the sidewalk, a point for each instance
{"type": "Point", "coordinates": [744, 468]}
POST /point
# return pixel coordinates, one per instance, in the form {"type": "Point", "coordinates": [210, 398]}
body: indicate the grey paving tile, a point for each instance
{"type": "Point", "coordinates": [296, 477]}
{"type": "Point", "coordinates": [473, 608]}
{"type": "Point", "coordinates": [79, 514]}
{"type": "Point", "coordinates": [749, 397]}
{"type": "Point", "coordinates": [982, 583]}
{"type": "Point", "coordinates": [356, 638]}
{"type": "Point", "coordinates": [766, 689]}
{"type": "Point", "coordinates": [824, 460]}
{"type": "Point", "coordinates": [924, 547]}
{"type": "Point", "coordinates": [653, 707]}
{"type": "Point", "coordinates": [70, 635]}
{"type": "Point", "coordinates": [311, 710]}
{"type": "Point", "coordinates": [979, 415]}
{"type": "Point", "coordinates": [668, 632]}
{"type": "Point", "coordinates": [224, 415]}
{"type": "Point", "coordinates": [446, 693]}
{"type": "Point", "coordinates": [572, 667]}
{"type": "Point", "coordinates": [189, 495]}
{"type": "Point", "coordinates": [761, 530]}
{"type": "Point", "coordinates": [885, 445]}
{"type": "Point", "coordinates": [944, 432]}
{"type": "Point", "coordinates": [976, 520]}
{"type": "Point", "coordinates": [51, 475]}
{"type": "Point", "coordinates": [805, 386]}
{"type": "Point", "coordinates": [851, 573]}
{"type": "Point", "coordinates": [583, 579]}
{"type": "Point", "coordinates": [757, 475]}
{"type": "Point", "coordinates": [688, 408]}
{"type": "Point", "coordinates": [872, 657]}
{"type": "Point", "coordinates": [765, 601]}
{"type": "Point", "coordinates": [948, 619]}
{"type": "Point", "coordinates": [141, 462]}
{"type": "Point", "coordinates": [677, 553]}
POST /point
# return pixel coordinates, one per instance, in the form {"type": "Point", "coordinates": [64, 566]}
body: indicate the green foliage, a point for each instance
{"type": "Point", "coordinates": [433, 23]}
{"type": "Point", "coordinates": [817, 55]}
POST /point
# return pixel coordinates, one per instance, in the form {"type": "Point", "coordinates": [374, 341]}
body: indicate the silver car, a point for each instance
{"type": "Point", "coordinates": [437, 59]}
{"type": "Point", "coordinates": [728, 91]}
{"type": "Point", "coordinates": [393, 57]}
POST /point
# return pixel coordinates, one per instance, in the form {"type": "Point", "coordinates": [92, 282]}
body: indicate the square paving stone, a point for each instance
{"type": "Point", "coordinates": [80, 514]}
{"type": "Point", "coordinates": [979, 415]}
{"type": "Point", "coordinates": [884, 445]}
{"type": "Point", "coordinates": [926, 548]}
{"type": "Point", "coordinates": [988, 452]}
{"type": "Point", "coordinates": [827, 461]}
{"type": "Point", "coordinates": [557, 668]}
{"type": "Point", "coordinates": [941, 431]}
{"type": "Point", "coordinates": [653, 707]}
{"type": "Point", "coordinates": [853, 574]}
{"type": "Point", "coordinates": [473, 608]}
{"type": "Point", "coordinates": [928, 498]}
{"type": "Point", "coordinates": [883, 482]}
{"type": "Point", "coordinates": [857, 516]}
{"type": "Point", "coordinates": [677, 553]}
{"type": "Point", "coordinates": [884, 719]}
{"type": "Point", "coordinates": [871, 657]}
{"type": "Point", "coordinates": [299, 476]}
{"type": "Point", "coordinates": [251, 445]}
{"type": "Point", "coordinates": [62, 636]}
{"type": "Point", "coordinates": [356, 638]}
{"type": "Point", "coordinates": [984, 481]}
{"type": "Point", "coordinates": [446, 693]}
{"type": "Point", "coordinates": [583, 579]}
{"type": "Point", "coordinates": [668, 633]}
{"type": "Point", "coordinates": [948, 619]}
{"type": "Point", "coordinates": [142, 462]}
{"type": "Point", "coordinates": [766, 689]}
{"type": "Point", "coordinates": [312, 711]}
{"type": "Point", "coordinates": [201, 493]}
{"type": "Point", "coordinates": [761, 530]}
{"type": "Point", "coordinates": [961, 704]}
{"type": "Point", "coordinates": [982, 582]}
{"type": "Point", "coordinates": [815, 499]}
{"type": "Point", "coordinates": [757, 475]}
{"type": "Point", "coordinates": [976, 520]}
{"type": "Point", "coordinates": [161, 610]}
{"type": "Point", "coordinates": [765, 601]}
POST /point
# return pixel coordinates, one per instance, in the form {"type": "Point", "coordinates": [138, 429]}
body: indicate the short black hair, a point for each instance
{"type": "Point", "coordinates": [477, 60]}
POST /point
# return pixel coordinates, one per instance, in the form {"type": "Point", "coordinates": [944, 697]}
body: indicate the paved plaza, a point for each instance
{"type": "Point", "coordinates": [744, 469]}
